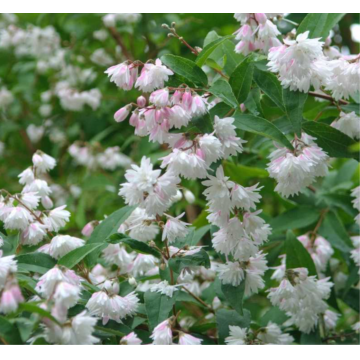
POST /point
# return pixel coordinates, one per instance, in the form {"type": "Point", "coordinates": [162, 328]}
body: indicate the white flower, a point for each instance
{"type": "Point", "coordinates": [162, 334]}
{"type": "Point", "coordinates": [67, 295]}
{"type": "Point", "coordinates": [26, 177]}
{"type": "Point", "coordinates": [189, 164]}
{"type": "Point", "coordinates": [57, 218]}
{"type": "Point", "coordinates": [174, 228]}
{"type": "Point", "coordinates": [78, 331]}
{"type": "Point", "coordinates": [37, 186]}
{"type": "Point", "coordinates": [255, 270]}
{"type": "Point", "coordinates": [17, 218]}
{"type": "Point", "coordinates": [8, 265]}
{"type": "Point", "coordinates": [60, 245]}
{"type": "Point", "coordinates": [160, 98]}
{"type": "Point", "coordinates": [330, 319]}
{"type": "Point", "coordinates": [349, 124]}
{"type": "Point", "coordinates": [123, 75]}
{"type": "Point", "coordinates": [10, 298]}
{"type": "Point", "coordinates": [164, 288]}
{"type": "Point", "coordinates": [30, 199]}
{"type": "Point", "coordinates": [48, 282]}
{"type": "Point", "coordinates": [142, 264]}
{"type": "Point", "coordinates": [272, 334]}
{"type": "Point", "coordinates": [245, 198]}
{"type": "Point", "coordinates": [231, 273]}
{"type": "Point", "coordinates": [35, 133]}
{"type": "Point", "coordinates": [237, 336]}
{"type": "Point", "coordinates": [211, 147]}
{"type": "Point", "coordinates": [153, 76]}
{"type": "Point", "coordinates": [116, 254]}
{"type": "Point", "coordinates": [187, 339]}
{"type": "Point", "coordinates": [33, 234]}
{"type": "Point", "coordinates": [296, 63]}
{"type": "Point", "coordinates": [43, 162]}
{"type": "Point", "coordinates": [112, 306]}
{"type": "Point", "coordinates": [130, 339]}
{"type": "Point", "coordinates": [225, 132]}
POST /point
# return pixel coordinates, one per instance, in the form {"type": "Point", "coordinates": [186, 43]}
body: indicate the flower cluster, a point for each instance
{"type": "Point", "coordinates": [271, 334]}
{"type": "Point", "coordinates": [298, 168]}
{"type": "Point", "coordinates": [301, 63]}
{"type": "Point", "coordinates": [237, 239]}
{"type": "Point", "coordinates": [257, 32]}
{"type": "Point", "coordinates": [349, 124]}
{"type": "Point", "coordinates": [356, 202]}
{"type": "Point", "coordinates": [302, 298]}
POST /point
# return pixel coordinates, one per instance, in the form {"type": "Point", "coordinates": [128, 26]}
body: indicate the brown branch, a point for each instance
{"type": "Point", "coordinates": [117, 37]}
{"type": "Point", "coordinates": [328, 97]}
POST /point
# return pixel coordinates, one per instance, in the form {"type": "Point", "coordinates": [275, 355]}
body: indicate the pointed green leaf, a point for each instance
{"type": "Point", "coordinates": [209, 48]}
{"type": "Point", "coordinates": [223, 90]}
{"type": "Point", "coordinates": [235, 295]}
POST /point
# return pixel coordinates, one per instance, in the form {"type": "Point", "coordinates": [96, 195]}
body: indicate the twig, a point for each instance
{"type": "Point", "coordinates": [199, 300]}
{"type": "Point", "coordinates": [328, 97]}
{"type": "Point", "coordinates": [117, 37]}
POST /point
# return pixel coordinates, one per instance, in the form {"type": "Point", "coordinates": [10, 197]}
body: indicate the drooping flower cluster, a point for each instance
{"type": "Point", "coordinates": [237, 240]}
{"type": "Point", "coordinates": [302, 298]}
{"type": "Point", "coordinates": [271, 334]}
{"type": "Point", "coordinates": [356, 202]}
{"type": "Point", "coordinates": [296, 169]}
{"type": "Point", "coordinates": [355, 253]}
{"type": "Point", "coordinates": [257, 32]}
{"type": "Point", "coordinates": [93, 157]}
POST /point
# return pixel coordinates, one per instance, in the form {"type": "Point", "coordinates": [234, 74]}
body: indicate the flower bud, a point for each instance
{"type": "Point", "coordinates": [141, 101]}
{"type": "Point", "coordinates": [88, 229]}
{"type": "Point", "coordinates": [189, 196]}
{"type": "Point", "coordinates": [123, 113]}
{"type": "Point", "coordinates": [260, 18]}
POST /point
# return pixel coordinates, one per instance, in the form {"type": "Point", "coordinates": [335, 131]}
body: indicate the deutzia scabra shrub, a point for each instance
{"type": "Point", "coordinates": [236, 219]}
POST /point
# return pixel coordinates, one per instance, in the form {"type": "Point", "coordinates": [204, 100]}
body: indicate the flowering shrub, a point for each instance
{"type": "Point", "coordinates": [237, 216]}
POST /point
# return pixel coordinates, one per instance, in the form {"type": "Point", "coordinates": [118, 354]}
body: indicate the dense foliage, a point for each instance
{"type": "Point", "coordinates": [180, 179]}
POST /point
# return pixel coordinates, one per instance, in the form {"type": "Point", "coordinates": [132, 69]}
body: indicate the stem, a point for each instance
{"type": "Point", "coordinates": [199, 300]}
{"type": "Point", "coordinates": [328, 97]}
{"type": "Point", "coordinates": [316, 229]}
{"type": "Point", "coordinates": [117, 37]}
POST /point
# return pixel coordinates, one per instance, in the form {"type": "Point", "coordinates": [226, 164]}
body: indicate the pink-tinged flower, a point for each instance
{"type": "Point", "coordinates": [88, 229]}
{"type": "Point", "coordinates": [123, 75]}
{"type": "Point", "coordinates": [174, 228]}
{"type": "Point", "coordinates": [187, 100]}
{"type": "Point", "coordinates": [162, 334]}
{"type": "Point", "coordinates": [43, 162]}
{"type": "Point", "coordinates": [260, 18]}
{"type": "Point", "coordinates": [187, 339]}
{"type": "Point", "coordinates": [130, 339]}
{"type": "Point", "coordinates": [122, 113]}
{"type": "Point", "coordinates": [198, 106]}
{"type": "Point", "coordinates": [141, 101]}
{"type": "Point", "coordinates": [10, 298]}
{"type": "Point", "coordinates": [160, 98]}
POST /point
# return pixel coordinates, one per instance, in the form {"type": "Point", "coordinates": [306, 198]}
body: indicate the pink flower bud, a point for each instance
{"type": "Point", "coordinates": [260, 18]}
{"type": "Point", "coordinates": [176, 98]}
{"type": "Point", "coordinates": [123, 113]}
{"type": "Point", "coordinates": [242, 107]}
{"type": "Point", "coordinates": [46, 202]}
{"type": "Point", "coordinates": [88, 229]}
{"type": "Point", "coordinates": [141, 101]}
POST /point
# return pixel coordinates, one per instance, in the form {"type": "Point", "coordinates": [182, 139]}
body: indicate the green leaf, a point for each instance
{"type": "Point", "coordinates": [274, 315]}
{"type": "Point", "coordinates": [208, 49]}
{"type": "Point", "coordinates": [312, 338]}
{"type": "Point", "coordinates": [270, 85]}
{"type": "Point", "coordinates": [241, 173]}
{"type": "Point", "coordinates": [223, 90]}
{"type": "Point", "coordinates": [225, 318]}
{"type": "Point", "coordinates": [235, 295]}
{"type": "Point", "coordinates": [106, 228]}
{"type": "Point", "coordinates": [33, 308]}
{"type": "Point", "coordinates": [352, 299]}
{"type": "Point", "coordinates": [201, 258]}
{"type": "Point", "coordinates": [186, 68]}
{"type": "Point", "coordinates": [260, 126]}
{"type": "Point", "coordinates": [319, 25]}
{"type": "Point", "coordinates": [334, 231]}
{"type": "Point", "coordinates": [241, 79]}
{"type": "Point", "coordinates": [36, 262]}
{"type": "Point", "coordinates": [75, 256]}
{"type": "Point", "coordinates": [203, 123]}
{"type": "Point", "coordinates": [9, 332]}
{"type": "Point", "coordinates": [193, 237]}
{"type": "Point", "coordinates": [331, 140]}
{"type": "Point", "coordinates": [158, 307]}
{"type": "Point", "coordinates": [297, 256]}
{"type": "Point", "coordinates": [139, 246]}
{"type": "Point", "coordinates": [295, 218]}
{"type": "Point", "coordinates": [294, 102]}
